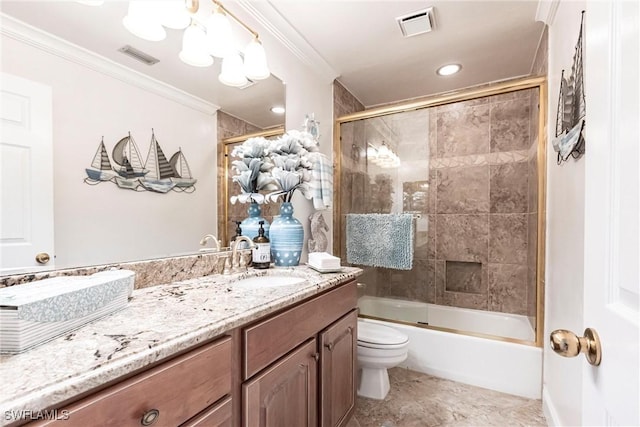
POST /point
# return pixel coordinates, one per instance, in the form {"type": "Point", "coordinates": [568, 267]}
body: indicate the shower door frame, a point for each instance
{"type": "Point", "coordinates": [513, 85]}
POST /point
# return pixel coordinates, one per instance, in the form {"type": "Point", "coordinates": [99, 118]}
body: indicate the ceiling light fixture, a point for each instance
{"type": "Point", "coordinates": [277, 110]}
{"type": "Point", "coordinates": [449, 69]}
{"type": "Point", "coordinates": [383, 156]}
{"type": "Point", "coordinates": [202, 39]}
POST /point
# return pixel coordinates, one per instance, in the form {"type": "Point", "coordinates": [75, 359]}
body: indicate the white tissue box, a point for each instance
{"type": "Point", "coordinates": [324, 261]}
{"type": "Point", "coordinates": [36, 312]}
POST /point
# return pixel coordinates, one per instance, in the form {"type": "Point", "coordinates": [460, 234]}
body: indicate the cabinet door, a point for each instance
{"type": "Point", "coordinates": [338, 364]}
{"type": "Point", "coordinates": [285, 395]}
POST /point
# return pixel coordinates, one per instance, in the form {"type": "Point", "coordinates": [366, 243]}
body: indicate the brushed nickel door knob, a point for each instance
{"type": "Point", "coordinates": [42, 258]}
{"type": "Point", "coordinates": [568, 344]}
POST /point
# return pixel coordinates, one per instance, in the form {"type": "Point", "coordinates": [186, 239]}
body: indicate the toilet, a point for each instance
{"type": "Point", "coordinates": [379, 348]}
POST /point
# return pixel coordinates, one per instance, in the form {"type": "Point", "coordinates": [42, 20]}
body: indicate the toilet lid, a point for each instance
{"type": "Point", "coordinates": [375, 333]}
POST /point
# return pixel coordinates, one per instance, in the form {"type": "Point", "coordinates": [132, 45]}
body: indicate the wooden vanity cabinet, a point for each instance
{"type": "Point", "coordinates": [300, 365]}
{"type": "Point", "coordinates": [295, 369]}
{"type": "Point", "coordinates": [285, 394]}
{"type": "Point", "coordinates": [168, 394]}
{"type": "Point", "coordinates": [338, 371]}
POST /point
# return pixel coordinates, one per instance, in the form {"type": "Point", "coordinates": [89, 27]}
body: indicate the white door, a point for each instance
{"type": "Point", "coordinates": [26, 176]}
{"type": "Point", "coordinates": [612, 284]}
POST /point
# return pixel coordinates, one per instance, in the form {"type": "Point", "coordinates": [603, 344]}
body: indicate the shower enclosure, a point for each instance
{"type": "Point", "coordinates": [469, 166]}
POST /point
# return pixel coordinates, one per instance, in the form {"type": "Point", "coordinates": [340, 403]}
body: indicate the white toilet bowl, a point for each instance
{"type": "Point", "coordinates": [379, 348]}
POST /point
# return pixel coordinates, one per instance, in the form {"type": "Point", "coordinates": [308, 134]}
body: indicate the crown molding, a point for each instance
{"type": "Point", "coordinates": [57, 46]}
{"type": "Point", "coordinates": [546, 11]}
{"type": "Point", "coordinates": [275, 24]}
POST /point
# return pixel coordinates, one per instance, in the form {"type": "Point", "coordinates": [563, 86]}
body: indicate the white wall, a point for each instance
{"type": "Point", "coordinates": [562, 378]}
{"type": "Point", "coordinates": [307, 91]}
{"type": "Point", "coordinates": [102, 223]}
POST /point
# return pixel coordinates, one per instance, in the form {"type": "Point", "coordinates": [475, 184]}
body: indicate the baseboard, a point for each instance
{"type": "Point", "coordinates": [549, 409]}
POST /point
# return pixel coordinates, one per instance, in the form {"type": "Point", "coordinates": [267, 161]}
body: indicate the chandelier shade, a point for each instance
{"type": "Point", "coordinates": [193, 51]}
{"type": "Point", "coordinates": [219, 36]}
{"type": "Point", "coordinates": [232, 71]}
{"type": "Point", "coordinates": [255, 61]}
{"type": "Point", "coordinates": [142, 20]}
{"type": "Point", "coordinates": [203, 38]}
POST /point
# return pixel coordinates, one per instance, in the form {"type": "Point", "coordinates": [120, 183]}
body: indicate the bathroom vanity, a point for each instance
{"type": "Point", "coordinates": [200, 353]}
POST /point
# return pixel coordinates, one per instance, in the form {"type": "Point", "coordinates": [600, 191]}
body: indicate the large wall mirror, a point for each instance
{"type": "Point", "coordinates": [97, 93]}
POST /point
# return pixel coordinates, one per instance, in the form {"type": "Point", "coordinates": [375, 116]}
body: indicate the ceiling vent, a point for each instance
{"type": "Point", "coordinates": [138, 55]}
{"type": "Point", "coordinates": [415, 23]}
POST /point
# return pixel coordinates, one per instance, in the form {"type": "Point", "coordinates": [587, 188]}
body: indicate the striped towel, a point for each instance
{"type": "Point", "coordinates": [321, 184]}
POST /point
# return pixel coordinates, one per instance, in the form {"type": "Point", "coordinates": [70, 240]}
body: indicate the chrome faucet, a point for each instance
{"type": "Point", "coordinates": [238, 264]}
{"type": "Point", "coordinates": [207, 237]}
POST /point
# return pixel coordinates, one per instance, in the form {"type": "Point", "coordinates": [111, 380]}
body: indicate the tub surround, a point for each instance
{"type": "Point", "coordinates": [159, 322]}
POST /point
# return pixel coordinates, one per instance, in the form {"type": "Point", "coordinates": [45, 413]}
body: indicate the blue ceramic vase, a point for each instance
{"type": "Point", "coordinates": [287, 236]}
{"type": "Point", "coordinates": [250, 225]}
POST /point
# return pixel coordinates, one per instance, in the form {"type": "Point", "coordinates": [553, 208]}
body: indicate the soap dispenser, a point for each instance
{"type": "Point", "coordinates": [243, 245]}
{"type": "Point", "coordinates": [262, 251]}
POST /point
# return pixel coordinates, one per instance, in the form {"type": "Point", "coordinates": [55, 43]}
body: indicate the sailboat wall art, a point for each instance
{"type": "Point", "coordinates": [127, 171]}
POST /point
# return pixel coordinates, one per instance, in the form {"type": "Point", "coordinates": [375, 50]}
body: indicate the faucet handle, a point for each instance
{"type": "Point", "coordinates": [227, 265]}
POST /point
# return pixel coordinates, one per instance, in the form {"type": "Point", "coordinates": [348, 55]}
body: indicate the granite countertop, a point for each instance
{"type": "Point", "coordinates": [158, 322]}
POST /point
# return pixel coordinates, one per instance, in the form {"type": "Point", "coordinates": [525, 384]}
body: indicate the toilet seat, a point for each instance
{"type": "Point", "coordinates": [373, 335]}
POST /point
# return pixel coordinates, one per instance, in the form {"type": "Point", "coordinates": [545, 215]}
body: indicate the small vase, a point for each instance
{"type": "Point", "coordinates": [251, 224]}
{"type": "Point", "coordinates": [287, 236]}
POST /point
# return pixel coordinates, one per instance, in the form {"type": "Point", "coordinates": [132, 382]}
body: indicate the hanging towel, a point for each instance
{"type": "Point", "coordinates": [321, 184]}
{"type": "Point", "coordinates": [380, 240]}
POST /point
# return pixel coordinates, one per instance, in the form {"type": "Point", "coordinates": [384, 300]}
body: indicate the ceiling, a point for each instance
{"type": "Point", "coordinates": [362, 42]}
{"type": "Point", "coordinates": [359, 41]}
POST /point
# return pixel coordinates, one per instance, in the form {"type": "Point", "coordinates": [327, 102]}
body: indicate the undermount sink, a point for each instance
{"type": "Point", "coordinates": [268, 281]}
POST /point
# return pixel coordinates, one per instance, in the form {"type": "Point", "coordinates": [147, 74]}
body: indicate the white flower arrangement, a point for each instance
{"type": "Point", "coordinates": [283, 165]}
{"type": "Point", "coordinates": [253, 170]}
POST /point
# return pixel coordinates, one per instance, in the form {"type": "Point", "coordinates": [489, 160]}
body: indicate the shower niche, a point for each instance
{"type": "Point", "coordinates": [470, 167]}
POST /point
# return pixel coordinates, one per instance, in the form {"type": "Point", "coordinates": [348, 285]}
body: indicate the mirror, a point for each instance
{"type": "Point", "coordinates": [94, 98]}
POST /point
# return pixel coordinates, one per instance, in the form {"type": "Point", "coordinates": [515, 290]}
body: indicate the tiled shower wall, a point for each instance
{"type": "Point", "coordinates": [478, 179]}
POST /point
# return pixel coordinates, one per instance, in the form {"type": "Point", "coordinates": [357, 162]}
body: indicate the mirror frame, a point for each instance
{"type": "Point", "coordinates": [224, 150]}
{"type": "Point", "coordinates": [530, 82]}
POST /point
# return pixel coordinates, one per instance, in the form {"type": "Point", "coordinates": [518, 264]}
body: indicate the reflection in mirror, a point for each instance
{"type": "Point", "coordinates": [238, 211]}
{"type": "Point", "coordinates": [96, 92]}
{"type": "Point", "coordinates": [468, 172]}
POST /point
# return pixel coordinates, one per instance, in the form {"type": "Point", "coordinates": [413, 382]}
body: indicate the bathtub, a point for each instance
{"type": "Point", "coordinates": [463, 319]}
{"type": "Point", "coordinates": [497, 365]}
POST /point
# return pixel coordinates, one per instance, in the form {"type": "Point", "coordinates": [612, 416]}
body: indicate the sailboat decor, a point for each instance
{"type": "Point", "coordinates": [157, 174]}
{"type": "Point", "coordinates": [570, 122]}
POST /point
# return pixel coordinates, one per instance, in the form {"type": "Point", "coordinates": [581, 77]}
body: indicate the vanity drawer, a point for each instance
{"type": "Point", "coordinates": [177, 389]}
{"type": "Point", "coordinates": [272, 338]}
{"type": "Point", "coordinates": [218, 416]}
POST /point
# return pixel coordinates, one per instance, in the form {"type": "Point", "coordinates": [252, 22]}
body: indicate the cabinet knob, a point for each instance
{"type": "Point", "coordinates": [316, 357]}
{"type": "Point", "coordinates": [150, 417]}
{"type": "Point", "coordinates": [329, 346]}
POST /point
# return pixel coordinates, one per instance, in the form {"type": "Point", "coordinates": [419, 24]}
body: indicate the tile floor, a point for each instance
{"type": "Point", "coordinates": [420, 400]}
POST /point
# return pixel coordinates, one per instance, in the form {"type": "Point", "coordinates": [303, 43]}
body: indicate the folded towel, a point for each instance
{"type": "Point", "coordinates": [380, 240]}
{"type": "Point", "coordinates": [321, 184]}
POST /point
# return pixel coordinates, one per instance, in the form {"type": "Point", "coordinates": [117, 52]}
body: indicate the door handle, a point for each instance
{"type": "Point", "coordinates": [568, 344]}
{"type": "Point", "coordinates": [42, 258]}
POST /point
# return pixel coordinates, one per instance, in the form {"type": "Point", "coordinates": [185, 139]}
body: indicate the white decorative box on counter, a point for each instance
{"type": "Point", "coordinates": [37, 312]}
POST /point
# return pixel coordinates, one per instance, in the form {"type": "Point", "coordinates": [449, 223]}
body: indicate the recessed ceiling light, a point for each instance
{"type": "Point", "coordinates": [447, 70]}
{"type": "Point", "coordinates": [277, 110]}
